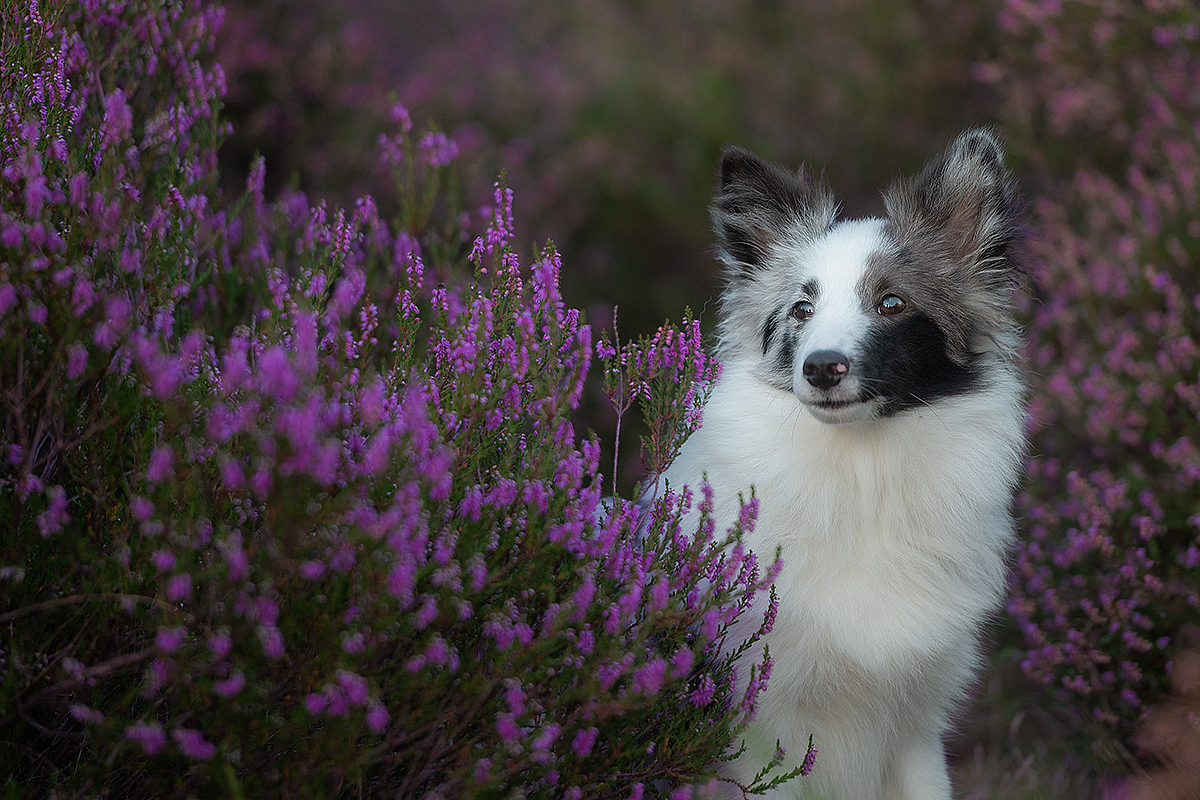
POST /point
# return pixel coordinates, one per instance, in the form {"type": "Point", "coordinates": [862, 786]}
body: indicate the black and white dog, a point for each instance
{"type": "Point", "coordinates": [870, 393]}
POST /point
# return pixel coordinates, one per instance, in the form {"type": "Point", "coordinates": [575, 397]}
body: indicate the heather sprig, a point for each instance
{"type": "Point", "coordinates": [667, 378]}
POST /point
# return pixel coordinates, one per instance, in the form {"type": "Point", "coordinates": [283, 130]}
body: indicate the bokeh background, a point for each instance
{"type": "Point", "coordinates": [606, 118]}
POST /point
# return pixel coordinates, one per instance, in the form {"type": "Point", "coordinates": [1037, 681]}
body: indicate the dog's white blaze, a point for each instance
{"type": "Point", "coordinates": [836, 262]}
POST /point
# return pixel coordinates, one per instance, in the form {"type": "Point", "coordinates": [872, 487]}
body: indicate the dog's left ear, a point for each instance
{"type": "Point", "coordinates": [964, 205]}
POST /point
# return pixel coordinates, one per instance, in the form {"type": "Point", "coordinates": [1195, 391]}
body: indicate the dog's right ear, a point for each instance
{"type": "Point", "coordinates": [758, 204]}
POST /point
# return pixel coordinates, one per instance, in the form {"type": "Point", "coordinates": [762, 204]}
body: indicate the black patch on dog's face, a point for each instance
{"type": "Point", "coordinates": [780, 334]}
{"type": "Point", "coordinates": [784, 361]}
{"type": "Point", "coordinates": [905, 363]}
{"type": "Point", "coordinates": [769, 329]}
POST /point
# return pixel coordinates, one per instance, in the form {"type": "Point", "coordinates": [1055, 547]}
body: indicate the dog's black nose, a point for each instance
{"type": "Point", "coordinates": [825, 369]}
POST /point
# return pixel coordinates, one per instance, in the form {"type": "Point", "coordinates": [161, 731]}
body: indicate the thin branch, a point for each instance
{"type": "Point", "coordinates": [75, 599]}
{"type": "Point", "coordinates": [89, 674]}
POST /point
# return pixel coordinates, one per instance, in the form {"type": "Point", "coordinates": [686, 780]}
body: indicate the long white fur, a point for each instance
{"type": "Point", "coordinates": [894, 532]}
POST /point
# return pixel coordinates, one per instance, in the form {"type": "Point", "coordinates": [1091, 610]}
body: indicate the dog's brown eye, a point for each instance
{"type": "Point", "coordinates": [891, 305]}
{"type": "Point", "coordinates": [803, 310]}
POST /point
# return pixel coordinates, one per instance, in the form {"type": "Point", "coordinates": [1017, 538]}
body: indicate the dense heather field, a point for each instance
{"type": "Point", "coordinates": [299, 489]}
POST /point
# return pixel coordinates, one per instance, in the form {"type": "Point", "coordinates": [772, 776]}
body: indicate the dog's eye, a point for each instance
{"type": "Point", "coordinates": [891, 305]}
{"type": "Point", "coordinates": [802, 310]}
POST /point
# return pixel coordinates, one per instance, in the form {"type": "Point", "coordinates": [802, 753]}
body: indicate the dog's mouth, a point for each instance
{"type": "Point", "coordinates": [836, 411]}
{"type": "Point", "coordinates": [833, 405]}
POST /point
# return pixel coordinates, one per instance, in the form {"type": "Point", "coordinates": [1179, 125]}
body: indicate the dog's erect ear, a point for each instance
{"type": "Point", "coordinates": [758, 204]}
{"type": "Point", "coordinates": [964, 204]}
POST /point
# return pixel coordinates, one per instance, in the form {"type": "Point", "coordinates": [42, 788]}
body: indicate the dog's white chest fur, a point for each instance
{"type": "Point", "coordinates": [893, 535]}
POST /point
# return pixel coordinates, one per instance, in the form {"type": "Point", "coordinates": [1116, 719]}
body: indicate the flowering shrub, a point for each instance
{"type": "Point", "coordinates": [292, 502]}
{"type": "Point", "coordinates": [1110, 571]}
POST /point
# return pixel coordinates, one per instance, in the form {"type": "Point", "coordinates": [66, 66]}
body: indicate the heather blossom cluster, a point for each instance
{"type": "Point", "coordinates": [292, 497]}
{"type": "Point", "coordinates": [1107, 579]}
{"type": "Point", "coordinates": [648, 372]}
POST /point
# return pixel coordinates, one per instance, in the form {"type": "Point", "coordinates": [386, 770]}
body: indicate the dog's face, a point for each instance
{"type": "Point", "coordinates": [868, 318]}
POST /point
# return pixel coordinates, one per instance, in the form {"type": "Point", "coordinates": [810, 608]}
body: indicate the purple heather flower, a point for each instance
{"type": "Point", "coordinates": [377, 718]}
{"type": "Point", "coordinates": [55, 516]}
{"type": "Point", "coordinates": [681, 662]}
{"type": "Point", "coordinates": [507, 728]}
{"type": "Point", "coordinates": [703, 694]}
{"type": "Point", "coordinates": [170, 639]}
{"type": "Point", "coordinates": [649, 679]}
{"type": "Point", "coordinates": [193, 745]}
{"type": "Point", "coordinates": [546, 738]}
{"type": "Point", "coordinates": [316, 703]}
{"type": "Point", "coordinates": [236, 558]}
{"type": "Point", "coordinates": [272, 641]}
{"type": "Point", "coordinates": [401, 117]}
{"type": "Point", "coordinates": [437, 149]}
{"type": "Point", "coordinates": [8, 298]}
{"type": "Point", "coordinates": [220, 644]}
{"type": "Point", "coordinates": [231, 685]}
{"type": "Point", "coordinates": [77, 356]}
{"type": "Point", "coordinates": [149, 735]}
{"type": "Point", "coordinates": [427, 613]}
{"type": "Point", "coordinates": [584, 741]}
{"type": "Point", "coordinates": [312, 570]}
{"type": "Point", "coordinates": [354, 685]}
{"type": "Point", "coordinates": [88, 716]}
{"type": "Point", "coordinates": [161, 462]}
{"type": "Point", "coordinates": [179, 587]}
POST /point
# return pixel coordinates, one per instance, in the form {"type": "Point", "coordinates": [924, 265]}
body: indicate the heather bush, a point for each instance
{"type": "Point", "coordinates": [292, 503]}
{"type": "Point", "coordinates": [1104, 98]}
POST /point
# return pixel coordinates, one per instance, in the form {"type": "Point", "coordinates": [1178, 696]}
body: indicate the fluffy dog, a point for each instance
{"type": "Point", "coordinates": [871, 395]}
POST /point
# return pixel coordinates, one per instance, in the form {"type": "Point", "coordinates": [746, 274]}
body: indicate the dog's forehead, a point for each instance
{"type": "Point", "coordinates": [835, 261]}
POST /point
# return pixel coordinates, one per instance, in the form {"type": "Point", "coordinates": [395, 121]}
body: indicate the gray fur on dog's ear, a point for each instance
{"type": "Point", "coordinates": [759, 204]}
{"type": "Point", "coordinates": [959, 224]}
{"type": "Point", "coordinates": [964, 204]}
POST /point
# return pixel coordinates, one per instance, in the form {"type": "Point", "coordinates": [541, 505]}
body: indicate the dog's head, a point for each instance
{"type": "Point", "coordinates": [868, 318]}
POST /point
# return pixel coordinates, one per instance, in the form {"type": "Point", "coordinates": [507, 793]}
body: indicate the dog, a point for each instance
{"type": "Point", "coordinates": [871, 395]}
